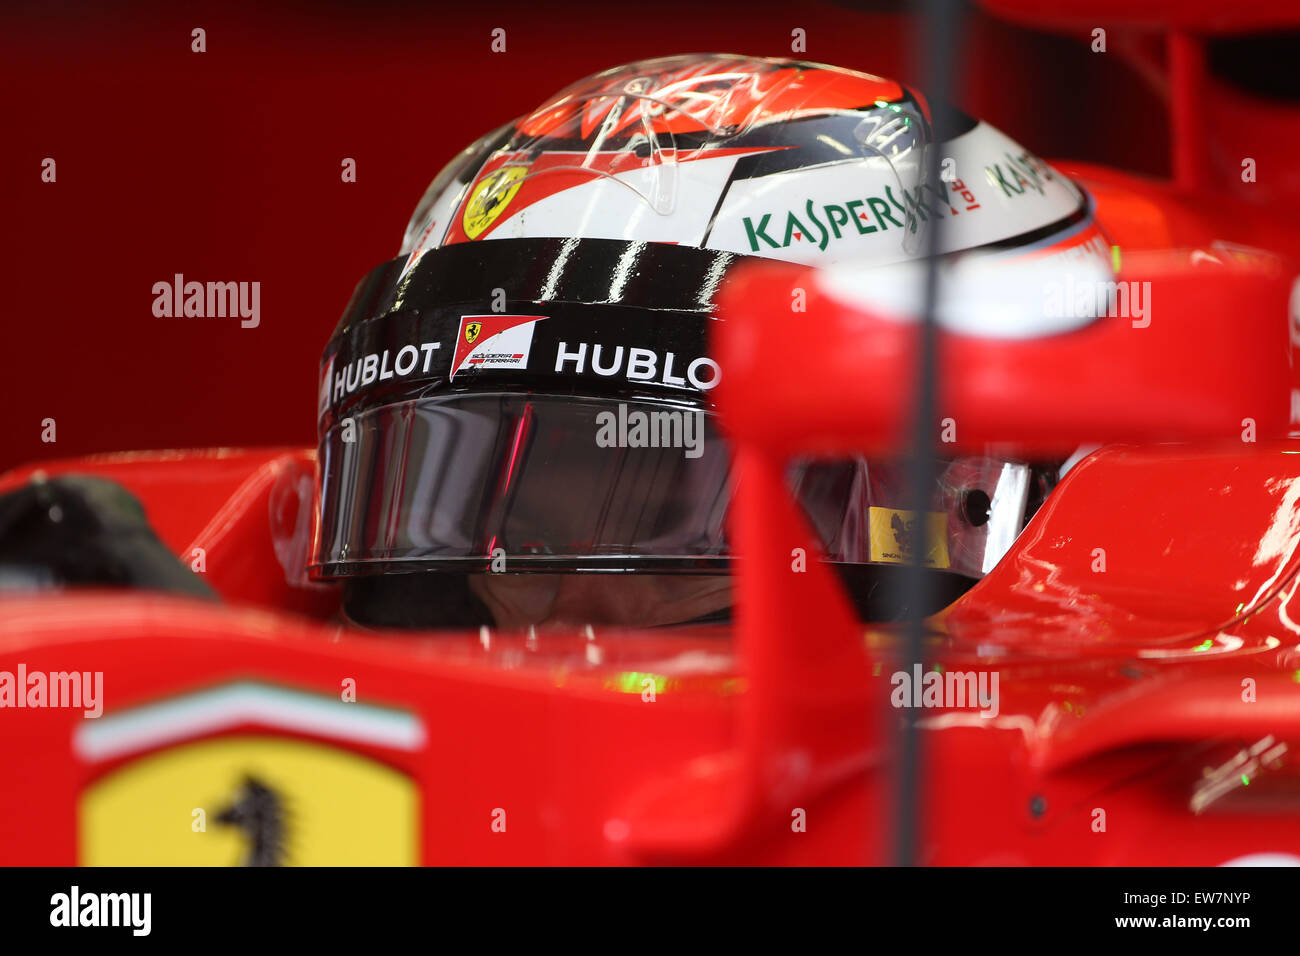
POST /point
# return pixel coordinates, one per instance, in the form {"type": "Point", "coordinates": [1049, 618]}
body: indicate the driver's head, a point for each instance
{"type": "Point", "coordinates": [516, 425]}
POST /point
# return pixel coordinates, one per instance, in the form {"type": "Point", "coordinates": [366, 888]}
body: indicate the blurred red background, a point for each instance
{"type": "Point", "coordinates": [225, 166]}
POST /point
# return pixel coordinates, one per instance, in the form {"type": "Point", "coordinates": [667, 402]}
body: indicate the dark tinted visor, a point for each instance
{"type": "Point", "coordinates": [532, 481]}
{"type": "Point", "coordinates": [511, 482]}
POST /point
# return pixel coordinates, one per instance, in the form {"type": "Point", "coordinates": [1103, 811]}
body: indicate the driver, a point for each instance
{"type": "Point", "coordinates": [560, 274]}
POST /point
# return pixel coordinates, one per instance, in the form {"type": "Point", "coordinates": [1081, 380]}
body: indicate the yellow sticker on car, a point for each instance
{"type": "Point", "coordinates": [891, 537]}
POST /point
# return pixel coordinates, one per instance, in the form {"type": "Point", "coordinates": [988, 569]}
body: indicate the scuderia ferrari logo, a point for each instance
{"type": "Point", "coordinates": [493, 341]}
{"type": "Point", "coordinates": [490, 198]}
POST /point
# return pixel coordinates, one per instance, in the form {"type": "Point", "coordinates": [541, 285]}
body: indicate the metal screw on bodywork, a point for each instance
{"type": "Point", "coordinates": [1037, 806]}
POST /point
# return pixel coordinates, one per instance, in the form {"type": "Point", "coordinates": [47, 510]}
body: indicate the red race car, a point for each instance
{"type": "Point", "coordinates": [610, 542]}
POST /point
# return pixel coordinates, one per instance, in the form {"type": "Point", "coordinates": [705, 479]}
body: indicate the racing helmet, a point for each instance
{"type": "Point", "coordinates": [515, 415]}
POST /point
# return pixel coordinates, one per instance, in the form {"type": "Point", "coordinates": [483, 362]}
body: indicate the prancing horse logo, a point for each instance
{"type": "Point", "coordinates": [902, 533]}
{"type": "Point", "coordinates": [490, 197]}
{"type": "Point", "coordinates": [259, 812]}
{"type": "Point", "coordinates": [472, 330]}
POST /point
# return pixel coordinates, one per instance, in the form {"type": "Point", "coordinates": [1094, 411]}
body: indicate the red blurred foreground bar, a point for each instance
{"type": "Point", "coordinates": [1212, 359]}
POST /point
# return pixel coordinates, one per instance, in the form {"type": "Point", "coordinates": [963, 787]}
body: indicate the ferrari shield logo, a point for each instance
{"type": "Point", "coordinates": [250, 800]}
{"type": "Point", "coordinates": [490, 198]}
{"type": "Point", "coordinates": [471, 331]}
{"type": "Point", "coordinates": [169, 795]}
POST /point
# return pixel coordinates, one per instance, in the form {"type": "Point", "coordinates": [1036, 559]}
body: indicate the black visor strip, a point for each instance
{"type": "Point", "coordinates": [647, 275]}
